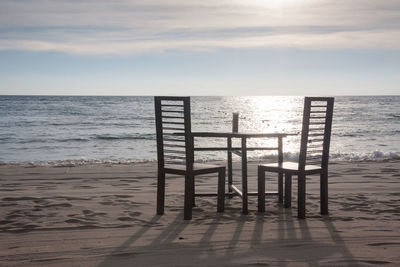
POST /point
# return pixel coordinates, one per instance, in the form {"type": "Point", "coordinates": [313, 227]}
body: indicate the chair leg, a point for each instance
{"type": "Point", "coordinates": [301, 197]}
{"type": "Point", "coordinates": [230, 177]}
{"type": "Point", "coordinates": [280, 187]}
{"type": "Point", "coordinates": [193, 193]}
{"type": "Point", "coordinates": [288, 190]}
{"type": "Point", "coordinates": [221, 190]}
{"type": "Point", "coordinates": [324, 193]}
{"type": "Point", "coordinates": [188, 205]}
{"type": "Point", "coordinates": [160, 192]}
{"type": "Point", "coordinates": [261, 189]}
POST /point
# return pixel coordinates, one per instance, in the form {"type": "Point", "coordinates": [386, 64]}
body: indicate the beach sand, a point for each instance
{"type": "Point", "coordinates": [104, 215]}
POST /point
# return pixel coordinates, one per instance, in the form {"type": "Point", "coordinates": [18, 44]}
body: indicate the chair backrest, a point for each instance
{"type": "Point", "coordinates": [316, 131]}
{"type": "Point", "coordinates": [173, 116]}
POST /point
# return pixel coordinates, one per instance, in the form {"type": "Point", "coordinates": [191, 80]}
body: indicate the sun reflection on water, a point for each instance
{"type": "Point", "coordinates": [277, 115]}
{"type": "Point", "coordinates": [258, 114]}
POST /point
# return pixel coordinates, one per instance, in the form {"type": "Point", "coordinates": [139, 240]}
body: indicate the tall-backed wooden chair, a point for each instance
{"type": "Point", "coordinates": [313, 157]}
{"type": "Point", "coordinates": [175, 152]}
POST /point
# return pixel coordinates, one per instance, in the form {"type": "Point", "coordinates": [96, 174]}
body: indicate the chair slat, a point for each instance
{"type": "Point", "coordinates": [315, 140]}
{"type": "Point", "coordinates": [173, 111]}
{"type": "Point", "coordinates": [316, 129]}
{"type": "Point", "coordinates": [174, 162]}
{"type": "Point", "coordinates": [173, 122]}
{"type": "Point", "coordinates": [174, 151]}
{"type": "Point", "coordinates": [172, 117]}
{"type": "Point", "coordinates": [173, 129]}
{"type": "Point", "coordinates": [169, 145]}
{"type": "Point", "coordinates": [171, 105]}
{"type": "Point", "coordinates": [173, 135]}
{"type": "Point", "coordinates": [173, 140]}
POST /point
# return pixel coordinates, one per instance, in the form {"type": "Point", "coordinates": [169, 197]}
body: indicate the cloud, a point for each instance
{"type": "Point", "coordinates": [123, 26]}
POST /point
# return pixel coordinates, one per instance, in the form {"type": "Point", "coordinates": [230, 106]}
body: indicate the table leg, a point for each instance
{"type": "Point", "coordinates": [280, 175]}
{"type": "Point", "coordinates": [244, 176]}
{"type": "Point", "coordinates": [288, 190]}
{"type": "Point", "coordinates": [230, 177]}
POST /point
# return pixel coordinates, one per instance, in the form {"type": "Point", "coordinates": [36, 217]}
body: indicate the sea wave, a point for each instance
{"type": "Point", "coordinates": [394, 116]}
{"type": "Point", "coordinates": [338, 156]}
{"type": "Point", "coordinates": [76, 162]}
{"type": "Point", "coordinates": [374, 155]}
{"type": "Point", "coordinates": [50, 141]}
{"type": "Point", "coordinates": [349, 157]}
{"type": "Point", "coordinates": [124, 137]}
{"type": "Point", "coordinates": [377, 154]}
{"type": "Point", "coordinates": [107, 137]}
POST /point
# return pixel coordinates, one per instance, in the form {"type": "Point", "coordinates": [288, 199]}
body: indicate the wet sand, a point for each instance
{"type": "Point", "coordinates": [104, 215]}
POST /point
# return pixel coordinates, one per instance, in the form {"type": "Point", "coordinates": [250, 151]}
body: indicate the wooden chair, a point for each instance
{"type": "Point", "coordinates": [175, 152]}
{"type": "Point", "coordinates": [313, 157]}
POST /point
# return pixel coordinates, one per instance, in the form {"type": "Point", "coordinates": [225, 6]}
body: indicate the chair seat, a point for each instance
{"type": "Point", "coordinates": [198, 168]}
{"type": "Point", "coordinates": [290, 167]}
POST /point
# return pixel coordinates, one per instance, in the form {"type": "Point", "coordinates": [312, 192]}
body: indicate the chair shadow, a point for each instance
{"type": "Point", "coordinates": [348, 258]}
{"type": "Point", "coordinates": [121, 250]}
{"type": "Point", "coordinates": [290, 244]}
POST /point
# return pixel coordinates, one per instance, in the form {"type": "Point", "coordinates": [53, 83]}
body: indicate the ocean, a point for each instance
{"type": "Point", "coordinates": [61, 130]}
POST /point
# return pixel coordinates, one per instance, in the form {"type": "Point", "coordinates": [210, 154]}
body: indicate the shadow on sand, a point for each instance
{"type": "Point", "coordinates": [246, 240]}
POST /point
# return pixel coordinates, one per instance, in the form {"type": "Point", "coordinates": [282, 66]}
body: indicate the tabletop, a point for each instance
{"type": "Point", "coordinates": [237, 135]}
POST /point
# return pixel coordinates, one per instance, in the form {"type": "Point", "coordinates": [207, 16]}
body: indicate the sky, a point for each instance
{"type": "Point", "coordinates": [184, 47]}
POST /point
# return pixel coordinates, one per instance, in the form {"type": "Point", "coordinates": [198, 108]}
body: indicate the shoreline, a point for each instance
{"type": "Point", "coordinates": [97, 162]}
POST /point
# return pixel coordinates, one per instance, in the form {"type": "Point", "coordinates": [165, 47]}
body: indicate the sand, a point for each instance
{"type": "Point", "coordinates": [104, 215]}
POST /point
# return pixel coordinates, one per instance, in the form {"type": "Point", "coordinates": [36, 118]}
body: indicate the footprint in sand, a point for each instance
{"type": "Point", "coordinates": [126, 219]}
{"type": "Point", "coordinates": [78, 221]}
{"type": "Point", "coordinates": [58, 205]}
{"type": "Point", "coordinates": [8, 204]}
{"type": "Point", "coordinates": [123, 196]}
{"type": "Point", "coordinates": [11, 189]}
{"type": "Point", "coordinates": [89, 213]}
{"type": "Point", "coordinates": [135, 214]}
{"type": "Point", "coordinates": [82, 187]}
{"type": "Point", "coordinates": [107, 203]}
{"type": "Point", "coordinates": [19, 198]}
{"type": "Point", "coordinates": [14, 215]}
{"type": "Point", "coordinates": [384, 244]}
{"type": "Point", "coordinates": [41, 201]}
{"type": "Point", "coordinates": [371, 176]}
{"type": "Point", "coordinates": [389, 170]}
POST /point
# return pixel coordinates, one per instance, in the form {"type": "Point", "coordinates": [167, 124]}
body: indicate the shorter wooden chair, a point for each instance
{"type": "Point", "coordinates": [175, 152]}
{"type": "Point", "coordinates": [313, 157]}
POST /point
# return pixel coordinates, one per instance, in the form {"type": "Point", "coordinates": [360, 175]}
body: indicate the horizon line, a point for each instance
{"type": "Point", "coordinates": [149, 95]}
